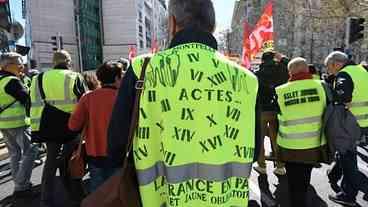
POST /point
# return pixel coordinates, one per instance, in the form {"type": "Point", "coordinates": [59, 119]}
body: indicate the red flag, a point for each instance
{"type": "Point", "coordinates": [132, 52]}
{"type": "Point", "coordinates": [154, 46]}
{"type": "Point", "coordinates": [246, 45]}
{"type": "Point", "coordinates": [261, 38]}
{"type": "Point", "coordinates": [3, 1]}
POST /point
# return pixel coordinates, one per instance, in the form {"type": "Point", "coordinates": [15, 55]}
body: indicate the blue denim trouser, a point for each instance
{"type": "Point", "coordinates": [99, 176]}
{"type": "Point", "coordinates": [22, 155]}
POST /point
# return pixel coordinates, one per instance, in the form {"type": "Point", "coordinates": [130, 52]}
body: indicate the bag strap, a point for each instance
{"type": "Point", "coordinates": [40, 86]}
{"type": "Point", "coordinates": [135, 114]}
{"type": "Point", "coordinates": [12, 103]}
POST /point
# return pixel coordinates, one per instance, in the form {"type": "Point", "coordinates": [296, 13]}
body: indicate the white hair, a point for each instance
{"type": "Point", "coordinates": [294, 64]}
{"type": "Point", "coordinates": [337, 57]}
{"type": "Point", "coordinates": [9, 57]}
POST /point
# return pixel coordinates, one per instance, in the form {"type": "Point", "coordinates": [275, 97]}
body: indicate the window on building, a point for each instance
{"type": "Point", "coordinates": [148, 42]}
{"type": "Point", "coordinates": [141, 44]}
{"type": "Point", "coordinates": [140, 17]}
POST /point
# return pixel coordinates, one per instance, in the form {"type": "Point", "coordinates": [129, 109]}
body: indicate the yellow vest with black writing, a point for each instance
{"type": "Point", "coordinates": [15, 115]}
{"type": "Point", "coordinates": [195, 142]}
{"type": "Point", "coordinates": [302, 104]}
{"type": "Point", "coordinates": [359, 105]}
{"type": "Point", "coordinates": [58, 86]}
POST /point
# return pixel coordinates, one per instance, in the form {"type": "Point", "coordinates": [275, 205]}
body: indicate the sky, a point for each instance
{"type": "Point", "coordinates": [223, 8]}
{"type": "Point", "coordinates": [224, 13]}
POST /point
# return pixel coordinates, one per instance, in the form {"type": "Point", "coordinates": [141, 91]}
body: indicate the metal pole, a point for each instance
{"type": "Point", "coordinates": [347, 33]}
{"type": "Point", "coordinates": [79, 36]}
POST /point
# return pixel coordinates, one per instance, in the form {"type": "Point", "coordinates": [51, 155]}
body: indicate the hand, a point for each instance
{"type": "Point", "coordinates": [278, 56]}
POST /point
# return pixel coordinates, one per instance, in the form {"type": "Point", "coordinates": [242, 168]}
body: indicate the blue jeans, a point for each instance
{"type": "Point", "coordinates": [99, 175]}
{"type": "Point", "coordinates": [22, 155]}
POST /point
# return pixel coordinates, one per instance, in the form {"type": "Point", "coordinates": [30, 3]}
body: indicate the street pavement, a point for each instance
{"type": "Point", "coordinates": [265, 191]}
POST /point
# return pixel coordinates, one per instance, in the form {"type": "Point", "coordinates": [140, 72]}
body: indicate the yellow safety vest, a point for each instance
{"type": "Point", "coordinates": [360, 94]}
{"type": "Point", "coordinates": [15, 115]}
{"type": "Point", "coordinates": [195, 142]}
{"type": "Point", "coordinates": [302, 104]}
{"type": "Point", "coordinates": [58, 86]}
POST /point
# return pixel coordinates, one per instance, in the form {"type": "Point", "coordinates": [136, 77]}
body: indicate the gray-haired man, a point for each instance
{"type": "Point", "coordinates": [14, 108]}
{"type": "Point", "coordinates": [350, 89]}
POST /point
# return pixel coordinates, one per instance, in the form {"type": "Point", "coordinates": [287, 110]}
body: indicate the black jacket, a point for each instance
{"type": "Point", "coordinates": [16, 89]}
{"type": "Point", "coordinates": [270, 75]}
{"type": "Point", "coordinates": [121, 115]}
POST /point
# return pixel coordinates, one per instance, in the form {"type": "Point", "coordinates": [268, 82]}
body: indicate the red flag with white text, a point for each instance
{"type": "Point", "coordinates": [261, 38]}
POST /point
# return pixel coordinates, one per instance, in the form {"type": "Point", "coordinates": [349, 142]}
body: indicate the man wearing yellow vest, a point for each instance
{"type": "Point", "coordinates": [14, 108]}
{"type": "Point", "coordinates": [302, 102]}
{"type": "Point", "coordinates": [62, 89]}
{"type": "Point", "coordinates": [195, 143]}
{"type": "Point", "coordinates": [350, 89]}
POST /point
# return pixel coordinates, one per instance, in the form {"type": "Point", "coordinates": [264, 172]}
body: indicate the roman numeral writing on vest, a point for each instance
{"type": "Point", "coordinates": [143, 132]}
{"type": "Point", "coordinates": [169, 156]}
{"type": "Point", "coordinates": [211, 120]}
{"type": "Point", "coordinates": [196, 75]}
{"type": "Point", "coordinates": [144, 115]}
{"type": "Point", "coordinates": [216, 63]}
{"type": "Point", "coordinates": [244, 152]}
{"type": "Point", "coordinates": [230, 132]}
{"type": "Point", "coordinates": [183, 134]}
{"type": "Point", "coordinates": [141, 152]}
{"type": "Point", "coordinates": [211, 144]}
{"type": "Point", "coordinates": [217, 79]}
{"type": "Point", "coordinates": [152, 96]}
{"type": "Point", "coordinates": [165, 105]}
{"type": "Point", "coordinates": [233, 113]}
{"type": "Point", "coordinates": [187, 114]}
{"type": "Point", "coordinates": [193, 57]}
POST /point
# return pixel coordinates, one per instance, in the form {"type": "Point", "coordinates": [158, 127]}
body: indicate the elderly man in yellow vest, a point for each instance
{"type": "Point", "coordinates": [195, 143]}
{"type": "Point", "coordinates": [14, 109]}
{"type": "Point", "coordinates": [60, 88]}
{"type": "Point", "coordinates": [302, 102]}
{"type": "Point", "coordinates": [350, 90]}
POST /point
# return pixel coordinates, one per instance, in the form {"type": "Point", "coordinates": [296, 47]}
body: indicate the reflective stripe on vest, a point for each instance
{"type": "Point", "coordinates": [307, 120]}
{"type": "Point", "coordinates": [300, 127]}
{"type": "Point", "coordinates": [196, 131]}
{"type": "Point", "coordinates": [64, 102]}
{"type": "Point", "coordinates": [178, 174]}
{"type": "Point", "coordinates": [360, 96]}
{"type": "Point", "coordinates": [13, 116]}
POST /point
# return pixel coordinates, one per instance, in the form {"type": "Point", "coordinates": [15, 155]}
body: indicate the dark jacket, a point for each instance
{"type": "Point", "coordinates": [121, 115]}
{"type": "Point", "coordinates": [341, 128]}
{"type": "Point", "coordinates": [270, 75]}
{"type": "Point", "coordinates": [16, 89]}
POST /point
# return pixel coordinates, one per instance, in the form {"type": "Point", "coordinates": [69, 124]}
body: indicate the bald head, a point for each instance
{"type": "Point", "coordinates": [298, 65]}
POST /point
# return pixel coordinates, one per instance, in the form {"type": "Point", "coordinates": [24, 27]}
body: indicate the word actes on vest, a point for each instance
{"type": "Point", "coordinates": [203, 190]}
{"type": "Point", "coordinates": [303, 96]}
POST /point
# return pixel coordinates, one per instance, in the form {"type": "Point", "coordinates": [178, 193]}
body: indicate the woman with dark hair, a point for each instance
{"type": "Point", "coordinates": [92, 81]}
{"type": "Point", "coordinates": [92, 115]}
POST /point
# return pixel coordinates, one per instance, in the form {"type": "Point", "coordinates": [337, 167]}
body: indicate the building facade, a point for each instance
{"type": "Point", "coordinates": [94, 31]}
{"type": "Point", "coordinates": [310, 28]}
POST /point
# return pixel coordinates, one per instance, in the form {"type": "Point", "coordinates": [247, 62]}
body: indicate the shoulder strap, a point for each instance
{"type": "Point", "coordinates": [135, 114]}
{"type": "Point", "coordinates": [328, 91]}
{"type": "Point", "coordinates": [40, 86]}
